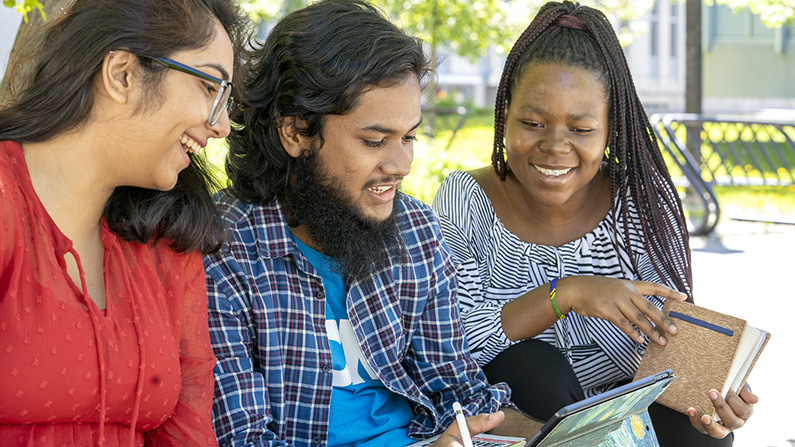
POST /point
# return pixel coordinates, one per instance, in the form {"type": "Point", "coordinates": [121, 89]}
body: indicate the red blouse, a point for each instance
{"type": "Point", "coordinates": [74, 375]}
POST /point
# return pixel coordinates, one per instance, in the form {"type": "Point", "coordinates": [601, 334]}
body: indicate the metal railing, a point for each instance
{"type": "Point", "coordinates": [725, 150]}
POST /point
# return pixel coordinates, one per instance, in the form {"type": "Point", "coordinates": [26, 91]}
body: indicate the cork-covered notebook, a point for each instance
{"type": "Point", "coordinates": [711, 350]}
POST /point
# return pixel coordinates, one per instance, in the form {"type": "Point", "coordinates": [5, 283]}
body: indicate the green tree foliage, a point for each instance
{"type": "Point", "coordinates": [774, 13]}
{"type": "Point", "coordinates": [25, 6]}
{"type": "Point", "coordinates": [465, 27]}
{"type": "Point", "coordinates": [36, 13]}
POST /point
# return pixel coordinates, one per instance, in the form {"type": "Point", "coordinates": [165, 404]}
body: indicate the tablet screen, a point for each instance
{"type": "Point", "coordinates": [594, 418]}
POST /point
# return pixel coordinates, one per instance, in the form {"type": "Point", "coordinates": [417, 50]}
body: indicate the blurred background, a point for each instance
{"type": "Point", "coordinates": [703, 57]}
{"type": "Point", "coordinates": [717, 79]}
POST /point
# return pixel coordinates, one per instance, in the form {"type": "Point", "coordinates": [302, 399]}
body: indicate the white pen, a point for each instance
{"type": "Point", "coordinates": [462, 424]}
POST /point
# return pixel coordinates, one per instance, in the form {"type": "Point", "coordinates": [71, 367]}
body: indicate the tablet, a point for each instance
{"type": "Point", "coordinates": [619, 416]}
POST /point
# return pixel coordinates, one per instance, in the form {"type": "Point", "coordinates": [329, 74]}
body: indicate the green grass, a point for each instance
{"type": "Point", "coordinates": [471, 148]}
{"type": "Point", "coordinates": [778, 200]}
{"type": "Point", "coordinates": [433, 161]}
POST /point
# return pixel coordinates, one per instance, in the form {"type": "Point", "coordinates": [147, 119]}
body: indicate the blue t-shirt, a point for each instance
{"type": "Point", "coordinates": [363, 411]}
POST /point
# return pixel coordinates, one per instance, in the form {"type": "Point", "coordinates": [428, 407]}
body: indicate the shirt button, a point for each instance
{"type": "Point", "coordinates": [326, 368]}
{"type": "Point", "coordinates": [316, 440]}
{"type": "Point", "coordinates": [320, 295]}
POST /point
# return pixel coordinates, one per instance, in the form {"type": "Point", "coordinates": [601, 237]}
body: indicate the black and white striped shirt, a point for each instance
{"type": "Point", "coordinates": [494, 266]}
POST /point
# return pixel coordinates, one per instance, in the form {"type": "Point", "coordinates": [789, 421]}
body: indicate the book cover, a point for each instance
{"type": "Point", "coordinates": [711, 350]}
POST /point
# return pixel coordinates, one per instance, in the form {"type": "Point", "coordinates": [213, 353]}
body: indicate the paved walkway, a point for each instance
{"type": "Point", "coordinates": [748, 270]}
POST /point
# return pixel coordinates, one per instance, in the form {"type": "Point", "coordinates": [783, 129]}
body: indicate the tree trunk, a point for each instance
{"type": "Point", "coordinates": [432, 97]}
{"type": "Point", "coordinates": [22, 53]}
{"type": "Point", "coordinates": [693, 72]}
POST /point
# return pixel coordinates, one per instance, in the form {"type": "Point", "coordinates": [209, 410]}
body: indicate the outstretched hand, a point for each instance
{"type": "Point", "coordinates": [476, 424]}
{"type": "Point", "coordinates": [621, 302]}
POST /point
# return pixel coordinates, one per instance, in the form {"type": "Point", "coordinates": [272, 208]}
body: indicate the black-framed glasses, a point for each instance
{"type": "Point", "coordinates": [224, 99]}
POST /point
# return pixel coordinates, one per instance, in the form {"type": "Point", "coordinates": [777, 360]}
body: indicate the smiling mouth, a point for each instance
{"type": "Point", "coordinates": [553, 172]}
{"type": "Point", "coordinates": [189, 144]}
{"type": "Point", "coordinates": [379, 189]}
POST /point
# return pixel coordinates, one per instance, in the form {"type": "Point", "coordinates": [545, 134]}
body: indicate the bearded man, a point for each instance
{"type": "Point", "coordinates": [333, 308]}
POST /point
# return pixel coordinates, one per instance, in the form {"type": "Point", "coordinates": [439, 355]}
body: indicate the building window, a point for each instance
{"type": "Point", "coordinates": [729, 24]}
{"type": "Point", "coordinates": [674, 30]}
{"type": "Point", "coordinates": [654, 42]}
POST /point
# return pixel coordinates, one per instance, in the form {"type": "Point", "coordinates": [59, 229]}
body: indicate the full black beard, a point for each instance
{"type": "Point", "coordinates": [361, 246]}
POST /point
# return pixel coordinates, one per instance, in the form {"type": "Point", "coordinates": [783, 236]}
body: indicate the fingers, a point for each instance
{"type": "Point", "coordinates": [476, 424]}
{"type": "Point", "coordinates": [484, 422]}
{"type": "Point", "coordinates": [650, 311]}
{"type": "Point", "coordinates": [652, 288]}
{"type": "Point", "coordinates": [705, 424]}
{"type": "Point", "coordinates": [748, 396]}
{"type": "Point", "coordinates": [624, 303]}
{"type": "Point", "coordinates": [734, 410]}
{"type": "Point", "coordinates": [661, 323]}
{"type": "Point", "coordinates": [631, 317]}
{"type": "Point", "coordinates": [646, 318]}
{"type": "Point", "coordinates": [695, 420]}
{"type": "Point", "coordinates": [728, 417]}
{"type": "Point", "coordinates": [631, 320]}
{"type": "Point", "coordinates": [713, 428]}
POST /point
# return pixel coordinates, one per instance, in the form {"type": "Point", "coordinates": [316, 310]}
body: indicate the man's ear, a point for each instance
{"type": "Point", "coordinates": [292, 141]}
{"type": "Point", "coordinates": [117, 73]}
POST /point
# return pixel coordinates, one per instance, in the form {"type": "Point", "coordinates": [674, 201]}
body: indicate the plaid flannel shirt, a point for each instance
{"type": "Point", "coordinates": [267, 324]}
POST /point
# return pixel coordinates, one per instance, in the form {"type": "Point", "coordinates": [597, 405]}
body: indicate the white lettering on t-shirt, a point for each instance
{"type": "Point", "coordinates": [343, 334]}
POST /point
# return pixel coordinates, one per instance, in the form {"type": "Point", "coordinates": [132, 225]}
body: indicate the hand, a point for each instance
{"type": "Point", "coordinates": [621, 302]}
{"type": "Point", "coordinates": [476, 424]}
{"type": "Point", "coordinates": [733, 412]}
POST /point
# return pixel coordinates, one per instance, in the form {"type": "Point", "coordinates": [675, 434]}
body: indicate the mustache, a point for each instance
{"type": "Point", "coordinates": [361, 246]}
{"type": "Point", "coordinates": [378, 181]}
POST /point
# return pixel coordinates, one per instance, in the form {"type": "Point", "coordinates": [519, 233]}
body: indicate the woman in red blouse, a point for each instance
{"type": "Point", "coordinates": [106, 210]}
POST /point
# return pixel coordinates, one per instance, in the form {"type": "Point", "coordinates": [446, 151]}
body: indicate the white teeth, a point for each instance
{"type": "Point", "coordinates": [379, 189]}
{"type": "Point", "coordinates": [552, 172]}
{"type": "Point", "coordinates": [190, 144]}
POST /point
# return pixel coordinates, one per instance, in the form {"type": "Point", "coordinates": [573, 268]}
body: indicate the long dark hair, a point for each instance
{"type": "Point", "coordinates": [579, 36]}
{"type": "Point", "coordinates": [316, 61]}
{"type": "Point", "coordinates": [59, 97]}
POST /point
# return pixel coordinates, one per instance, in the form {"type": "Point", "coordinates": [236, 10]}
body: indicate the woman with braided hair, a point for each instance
{"type": "Point", "coordinates": [577, 218]}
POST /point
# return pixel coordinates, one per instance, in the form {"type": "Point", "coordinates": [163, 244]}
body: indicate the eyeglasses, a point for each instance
{"type": "Point", "coordinates": [224, 99]}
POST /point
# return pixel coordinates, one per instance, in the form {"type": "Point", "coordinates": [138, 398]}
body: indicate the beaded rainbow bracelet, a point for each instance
{"type": "Point", "coordinates": [553, 286]}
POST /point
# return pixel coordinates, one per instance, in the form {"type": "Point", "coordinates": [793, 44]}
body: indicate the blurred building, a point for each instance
{"type": "Point", "coordinates": [747, 67]}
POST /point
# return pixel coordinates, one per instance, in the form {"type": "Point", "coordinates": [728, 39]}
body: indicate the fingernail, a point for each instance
{"type": "Point", "coordinates": [691, 412]}
{"type": "Point", "coordinates": [672, 328]}
{"type": "Point", "coordinates": [663, 341]}
{"type": "Point", "coordinates": [713, 395]}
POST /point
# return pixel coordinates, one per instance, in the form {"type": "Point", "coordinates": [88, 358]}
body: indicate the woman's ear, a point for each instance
{"type": "Point", "coordinates": [117, 73]}
{"type": "Point", "coordinates": [292, 141]}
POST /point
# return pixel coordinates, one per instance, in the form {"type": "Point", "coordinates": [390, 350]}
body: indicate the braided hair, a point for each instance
{"type": "Point", "coordinates": [578, 36]}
